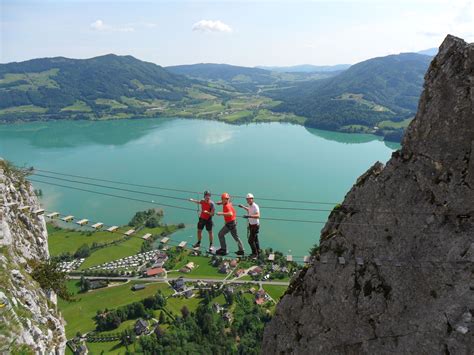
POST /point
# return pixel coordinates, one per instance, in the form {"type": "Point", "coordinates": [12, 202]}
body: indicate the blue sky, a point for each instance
{"type": "Point", "coordinates": [246, 33]}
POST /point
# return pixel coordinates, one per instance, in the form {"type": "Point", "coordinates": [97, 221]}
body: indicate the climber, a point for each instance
{"type": "Point", "coordinates": [230, 219]}
{"type": "Point", "coordinates": [205, 218]}
{"type": "Point", "coordinates": [253, 227]}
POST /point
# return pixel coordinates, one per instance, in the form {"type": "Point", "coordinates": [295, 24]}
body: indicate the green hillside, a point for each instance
{"type": "Point", "coordinates": [104, 87]}
{"type": "Point", "coordinates": [367, 93]}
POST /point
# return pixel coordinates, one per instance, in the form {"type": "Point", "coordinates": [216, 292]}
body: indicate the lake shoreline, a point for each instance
{"type": "Point", "coordinates": [232, 123]}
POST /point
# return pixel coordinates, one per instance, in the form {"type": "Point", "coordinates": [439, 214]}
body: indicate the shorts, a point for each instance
{"type": "Point", "coordinates": [205, 223]}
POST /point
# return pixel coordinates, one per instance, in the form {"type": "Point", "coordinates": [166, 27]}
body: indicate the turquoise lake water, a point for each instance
{"type": "Point", "coordinates": [271, 160]}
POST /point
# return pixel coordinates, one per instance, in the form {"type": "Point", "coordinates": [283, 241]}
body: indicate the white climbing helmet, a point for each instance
{"type": "Point", "coordinates": [249, 195]}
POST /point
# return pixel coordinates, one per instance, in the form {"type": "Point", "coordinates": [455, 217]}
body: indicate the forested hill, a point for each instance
{"type": "Point", "coordinates": [245, 79]}
{"type": "Point", "coordinates": [211, 71]}
{"type": "Point", "coordinates": [83, 88]}
{"type": "Point", "coordinates": [385, 88]}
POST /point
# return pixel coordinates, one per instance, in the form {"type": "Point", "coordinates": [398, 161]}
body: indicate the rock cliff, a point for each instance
{"type": "Point", "coordinates": [412, 224]}
{"type": "Point", "coordinates": [29, 321]}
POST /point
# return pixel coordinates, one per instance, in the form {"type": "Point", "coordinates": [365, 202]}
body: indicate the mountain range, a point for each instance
{"type": "Point", "coordinates": [380, 91]}
{"type": "Point", "coordinates": [306, 68]}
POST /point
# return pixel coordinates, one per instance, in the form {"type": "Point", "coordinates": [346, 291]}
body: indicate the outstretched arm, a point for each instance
{"type": "Point", "coordinates": [195, 201]}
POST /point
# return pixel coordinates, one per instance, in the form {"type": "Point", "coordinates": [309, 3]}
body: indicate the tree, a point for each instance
{"type": "Point", "coordinates": [185, 312]}
{"type": "Point", "coordinates": [83, 251]}
{"type": "Point", "coordinates": [50, 278]}
{"type": "Point", "coordinates": [162, 318]}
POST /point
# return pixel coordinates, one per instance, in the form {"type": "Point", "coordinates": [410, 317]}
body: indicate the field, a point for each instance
{"type": "Point", "coordinates": [174, 304]}
{"type": "Point", "coordinates": [30, 81]}
{"type": "Point", "coordinates": [275, 291]}
{"type": "Point", "coordinates": [204, 270]}
{"type": "Point", "coordinates": [79, 315]}
{"type": "Point", "coordinates": [22, 109]}
{"type": "Point", "coordinates": [391, 124]}
{"type": "Point", "coordinates": [111, 103]}
{"type": "Point", "coordinates": [65, 240]}
{"type": "Point", "coordinates": [78, 106]}
{"type": "Point", "coordinates": [114, 347]}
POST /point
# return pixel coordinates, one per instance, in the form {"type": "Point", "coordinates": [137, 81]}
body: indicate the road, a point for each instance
{"type": "Point", "coordinates": [167, 279]}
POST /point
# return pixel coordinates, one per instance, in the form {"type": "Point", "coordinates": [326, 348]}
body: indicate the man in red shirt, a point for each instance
{"type": "Point", "coordinates": [230, 219]}
{"type": "Point", "coordinates": [205, 218]}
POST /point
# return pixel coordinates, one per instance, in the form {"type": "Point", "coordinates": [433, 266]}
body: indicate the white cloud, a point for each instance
{"type": "Point", "coordinates": [211, 26]}
{"type": "Point", "coordinates": [99, 25]}
{"type": "Point", "coordinates": [456, 19]}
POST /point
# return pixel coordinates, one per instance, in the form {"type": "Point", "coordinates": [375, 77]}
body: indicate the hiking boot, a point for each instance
{"type": "Point", "coordinates": [253, 256]}
{"type": "Point", "coordinates": [240, 252]}
{"type": "Point", "coordinates": [197, 245]}
{"type": "Point", "coordinates": [221, 252]}
{"type": "Point", "coordinates": [211, 248]}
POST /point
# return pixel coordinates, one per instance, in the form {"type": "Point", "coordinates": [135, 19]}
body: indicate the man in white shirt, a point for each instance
{"type": "Point", "coordinates": [253, 216]}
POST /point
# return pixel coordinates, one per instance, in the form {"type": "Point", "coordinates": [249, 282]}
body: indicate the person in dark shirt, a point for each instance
{"type": "Point", "coordinates": [205, 218]}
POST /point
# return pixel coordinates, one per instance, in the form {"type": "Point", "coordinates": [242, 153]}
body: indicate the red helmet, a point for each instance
{"type": "Point", "coordinates": [225, 195]}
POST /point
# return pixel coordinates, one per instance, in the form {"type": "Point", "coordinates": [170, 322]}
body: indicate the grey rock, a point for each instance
{"type": "Point", "coordinates": [417, 211]}
{"type": "Point", "coordinates": [24, 242]}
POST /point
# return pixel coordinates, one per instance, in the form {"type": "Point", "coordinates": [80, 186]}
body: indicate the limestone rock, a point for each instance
{"type": "Point", "coordinates": [416, 216]}
{"type": "Point", "coordinates": [29, 312]}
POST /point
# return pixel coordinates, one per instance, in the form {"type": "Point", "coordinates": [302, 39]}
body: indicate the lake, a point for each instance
{"type": "Point", "coordinates": [271, 160]}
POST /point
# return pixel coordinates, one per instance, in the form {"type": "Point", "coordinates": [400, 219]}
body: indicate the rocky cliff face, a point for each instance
{"type": "Point", "coordinates": [412, 223]}
{"type": "Point", "coordinates": [29, 321]}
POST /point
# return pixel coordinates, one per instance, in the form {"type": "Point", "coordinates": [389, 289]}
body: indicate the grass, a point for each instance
{"type": "Point", "coordinates": [114, 347]}
{"type": "Point", "coordinates": [202, 270]}
{"type": "Point", "coordinates": [174, 304]}
{"type": "Point", "coordinates": [395, 125]}
{"type": "Point", "coordinates": [359, 98]}
{"type": "Point", "coordinates": [238, 116]}
{"type": "Point", "coordinates": [111, 103]}
{"type": "Point", "coordinates": [31, 81]}
{"type": "Point", "coordinates": [78, 106]}
{"type": "Point", "coordinates": [79, 315]}
{"type": "Point", "coordinates": [64, 240]}
{"type": "Point", "coordinates": [129, 247]}
{"type": "Point", "coordinates": [23, 109]}
{"type": "Point", "coordinates": [275, 291]}
{"type": "Point", "coordinates": [131, 101]}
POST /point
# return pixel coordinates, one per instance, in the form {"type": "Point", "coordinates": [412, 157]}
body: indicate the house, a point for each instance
{"type": "Point", "coordinates": [179, 284]}
{"type": "Point", "coordinates": [261, 297]}
{"type": "Point", "coordinates": [233, 263]}
{"type": "Point", "coordinates": [227, 317]}
{"type": "Point", "coordinates": [256, 271]}
{"type": "Point", "coordinates": [188, 293]}
{"type": "Point", "coordinates": [187, 268]}
{"type": "Point", "coordinates": [141, 326]}
{"type": "Point", "coordinates": [275, 267]}
{"type": "Point", "coordinates": [229, 289]}
{"type": "Point", "coordinates": [217, 307]}
{"type": "Point", "coordinates": [190, 265]}
{"type": "Point", "coordinates": [157, 271]}
{"type": "Point", "coordinates": [240, 272]}
{"type": "Point", "coordinates": [81, 350]}
{"type": "Point", "coordinates": [95, 284]}
{"type": "Point", "coordinates": [138, 287]}
{"type": "Point", "coordinates": [224, 268]}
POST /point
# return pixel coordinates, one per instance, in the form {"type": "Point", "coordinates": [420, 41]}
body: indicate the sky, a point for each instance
{"type": "Point", "coordinates": [247, 33]}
